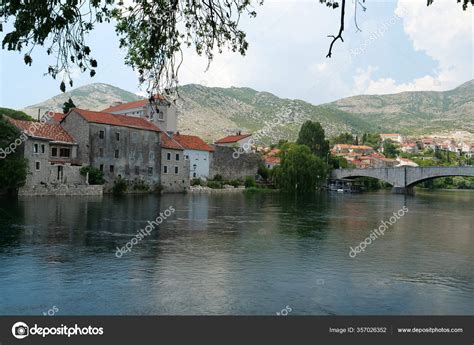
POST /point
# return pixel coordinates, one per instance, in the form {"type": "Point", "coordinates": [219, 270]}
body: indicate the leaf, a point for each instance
{"type": "Point", "coordinates": [62, 87]}
{"type": "Point", "coordinates": [92, 73]}
{"type": "Point", "coordinates": [28, 59]}
{"type": "Point", "coordinates": [93, 63]}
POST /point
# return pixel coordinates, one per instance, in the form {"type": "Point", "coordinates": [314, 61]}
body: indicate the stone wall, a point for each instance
{"type": "Point", "coordinates": [60, 190]}
{"type": "Point", "coordinates": [170, 180]}
{"type": "Point", "coordinates": [224, 163]}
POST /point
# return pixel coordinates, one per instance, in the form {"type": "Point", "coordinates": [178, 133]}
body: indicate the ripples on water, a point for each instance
{"type": "Point", "coordinates": [238, 254]}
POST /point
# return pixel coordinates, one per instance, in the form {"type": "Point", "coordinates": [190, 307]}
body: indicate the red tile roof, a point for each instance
{"type": "Point", "coordinates": [192, 142]}
{"type": "Point", "coordinates": [272, 160]}
{"type": "Point", "coordinates": [57, 117]}
{"type": "Point", "coordinates": [131, 105]}
{"type": "Point", "coordinates": [169, 143]}
{"type": "Point", "coordinates": [116, 120]}
{"type": "Point", "coordinates": [47, 131]}
{"type": "Point", "coordinates": [232, 139]}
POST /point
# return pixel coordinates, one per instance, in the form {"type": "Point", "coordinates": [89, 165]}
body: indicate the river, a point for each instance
{"type": "Point", "coordinates": [238, 254]}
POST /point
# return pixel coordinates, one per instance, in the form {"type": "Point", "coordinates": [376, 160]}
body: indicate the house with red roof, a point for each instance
{"type": "Point", "coordinates": [238, 140]}
{"type": "Point", "coordinates": [118, 145]}
{"type": "Point", "coordinates": [174, 165]}
{"type": "Point", "coordinates": [128, 147]}
{"type": "Point", "coordinates": [157, 110]}
{"type": "Point", "coordinates": [198, 153]}
{"type": "Point", "coordinates": [51, 153]}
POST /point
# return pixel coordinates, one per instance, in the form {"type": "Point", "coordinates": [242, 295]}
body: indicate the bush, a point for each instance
{"type": "Point", "coordinates": [157, 188]}
{"type": "Point", "coordinates": [263, 171]}
{"type": "Point", "coordinates": [214, 184]}
{"type": "Point", "coordinates": [96, 176]}
{"type": "Point", "coordinates": [140, 185]}
{"type": "Point", "coordinates": [217, 177]}
{"type": "Point", "coordinates": [196, 182]}
{"type": "Point", "coordinates": [120, 186]}
{"type": "Point", "coordinates": [235, 183]}
{"type": "Point", "coordinates": [250, 182]}
{"type": "Point", "coordinates": [254, 190]}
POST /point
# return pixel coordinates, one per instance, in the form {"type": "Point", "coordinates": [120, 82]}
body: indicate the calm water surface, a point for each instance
{"type": "Point", "coordinates": [238, 254]}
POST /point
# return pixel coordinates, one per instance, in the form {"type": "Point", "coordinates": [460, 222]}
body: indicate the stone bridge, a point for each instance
{"type": "Point", "coordinates": [403, 179]}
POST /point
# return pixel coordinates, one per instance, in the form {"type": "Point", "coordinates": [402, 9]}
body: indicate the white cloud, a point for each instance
{"type": "Point", "coordinates": [442, 31]}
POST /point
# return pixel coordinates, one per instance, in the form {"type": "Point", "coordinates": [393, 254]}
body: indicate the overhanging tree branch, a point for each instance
{"type": "Point", "coordinates": [341, 29]}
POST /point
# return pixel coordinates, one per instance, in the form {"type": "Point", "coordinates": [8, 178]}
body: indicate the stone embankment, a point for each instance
{"type": "Point", "coordinates": [225, 189]}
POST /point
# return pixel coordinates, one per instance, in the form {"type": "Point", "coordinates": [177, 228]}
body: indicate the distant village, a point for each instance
{"type": "Point", "coordinates": [138, 142]}
{"type": "Point", "coordinates": [363, 156]}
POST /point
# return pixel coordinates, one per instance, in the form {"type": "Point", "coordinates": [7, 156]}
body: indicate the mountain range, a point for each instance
{"type": "Point", "coordinates": [211, 112]}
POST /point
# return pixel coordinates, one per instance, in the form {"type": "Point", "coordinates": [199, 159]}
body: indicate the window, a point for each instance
{"type": "Point", "coordinates": [101, 152]}
{"type": "Point", "coordinates": [117, 136]}
{"type": "Point", "coordinates": [134, 137]}
{"type": "Point", "coordinates": [42, 148]}
{"type": "Point", "coordinates": [186, 157]}
{"type": "Point", "coordinates": [111, 168]}
{"type": "Point", "coordinates": [151, 156]}
{"type": "Point", "coordinates": [116, 154]}
{"type": "Point", "coordinates": [37, 165]}
{"type": "Point", "coordinates": [161, 116]}
{"type": "Point", "coordinates": [101, 167]}
{"type": "Point", "coordinates": [54, 152]}
{"type": "Point", "coordinates": [64, 152]}
{"type": "Point", "coordinates": [194, 174]}
{"type": "Point", "coordinates": [137, 170]}
{"type": "Point", "coordinates": [150, 171]}
{"type": "Point", "coordinates": [177, 156]}
{"type": "Point", "coordinates": [101, 134]}
{"type": "Point", "coordinates": [35, 148]}
{"type": "Point", "coordinates": [176, 170]}
{"type": "Point", "coordinates": [168, 156]}
{"type": "Point", "coordinates": [165, 169]}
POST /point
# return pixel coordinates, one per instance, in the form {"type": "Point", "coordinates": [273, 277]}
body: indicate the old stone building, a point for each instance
{"type": "Point", "coordinates": [51, 153]}
{"type": "Point", "coordinates": [198, 153]}
{"type": "Point", "coordinates": [118, 145]}
{"type": "Point", "coordinates": [160, 112]}
{"type": "Point", "coordinates": [175, 168]}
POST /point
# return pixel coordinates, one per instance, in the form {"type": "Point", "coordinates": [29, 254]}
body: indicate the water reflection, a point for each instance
{"type": "Point", "coordinates": [238, 254]}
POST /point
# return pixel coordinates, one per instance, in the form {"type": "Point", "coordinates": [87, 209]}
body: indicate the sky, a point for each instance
{"type": "Point", "coordinates": [403, 46]}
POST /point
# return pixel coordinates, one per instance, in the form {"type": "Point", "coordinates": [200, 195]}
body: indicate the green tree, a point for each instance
{"type": "Point", "coordinates": [390, 149]}
{"type": "Point", "coordinates": [13, 167]}
{"type": "Point", "coordinates": [372, 139]}
{"type": "Point", "coordinates": [15, 114]}
{"type": "Point", "coordinates": [312, 135]}
{"type": "Point", "coordinates": [344, 138]}
{"type": "Point", "coordinates": [68, 105]}
{"type": "Point", "coordinates": [300, 170]}
{"type": "Point", "coordinates": [96, 177]}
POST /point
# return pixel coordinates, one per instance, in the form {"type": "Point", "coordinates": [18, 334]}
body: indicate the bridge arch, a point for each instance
{"type": "Point", "coordinates": [403, 179]}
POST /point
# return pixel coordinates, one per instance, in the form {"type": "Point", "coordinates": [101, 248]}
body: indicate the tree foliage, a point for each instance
{"type": "Point", "coordinates": [312, 135]}
{"type": "Point", "coordinates": [15, 114]}
{"type": "Point", "coordinates": [68, 105]}
{"type": "Point", "coordinates": [344, 138]}
{"type": "Point", "coordinates": [96, 177]}
{"type": "Point", "coordinates": [372, 139]}
{"type": "Point", "coordinates": [390, 149]}
{"type": "Point", "coordinates": [153, 33]}
{"type": "Point", "coordinates": [13, 168]}
{"type": "Point", "coordinates": [300, 170]}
